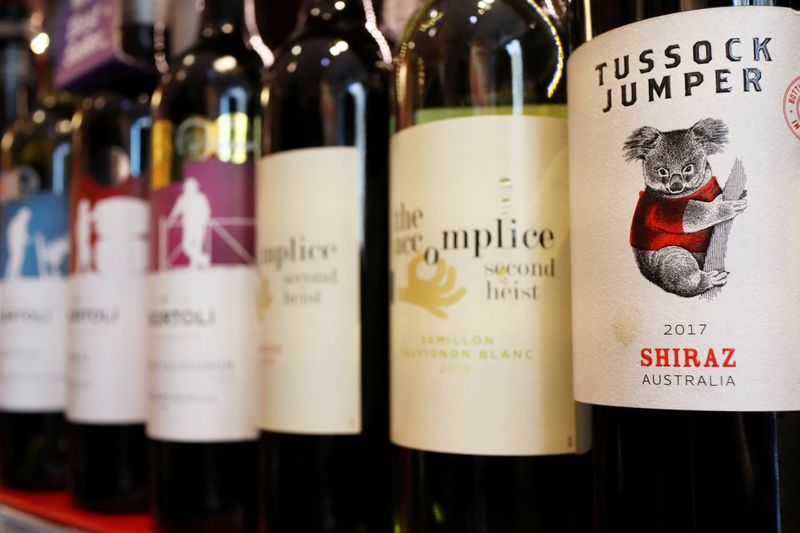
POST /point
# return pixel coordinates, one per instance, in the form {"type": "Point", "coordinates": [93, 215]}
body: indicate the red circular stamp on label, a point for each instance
{"type": "Point", "coordinates": [791, 106]}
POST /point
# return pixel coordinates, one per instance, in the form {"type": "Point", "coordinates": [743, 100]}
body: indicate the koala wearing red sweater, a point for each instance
{"type": "Point", "coordinates": [681, 204]}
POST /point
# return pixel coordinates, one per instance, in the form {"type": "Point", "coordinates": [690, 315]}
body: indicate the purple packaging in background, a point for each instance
{"type": "Point", "coordinates": [89, 50]}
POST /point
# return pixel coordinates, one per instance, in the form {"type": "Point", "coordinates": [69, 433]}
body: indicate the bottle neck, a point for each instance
{"type": "Point", "coordinates": [45, 75]}
{"type": "Point", "coordinates": [138, 31]}
{"type": "Point", "coordinates": [54, 11]}
{"type": "Point", "coordinates": [341, 13]}
{"type": "Point", "coordinates": [222, 17]}
{"type": "Point", "coordinates": [139, 12]}
{"type": "Point", "coordinates": [16, 64]}
{"type": "Point", "coordinates": [138, 42]}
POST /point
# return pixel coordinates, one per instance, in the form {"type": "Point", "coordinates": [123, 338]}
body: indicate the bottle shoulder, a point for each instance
{"type": "Point", "coordinates": [481, 54]}
{"type": "Point", "coordinates": [452, 29]}
{"type": "Point", "coordinates": [58, 105]}
{"type": "Point", "coordinates": [37, 147]}
{"type": "Point", "coordinates": [49, 122]}
{"type": "Point", "coordinates": [337, 58]}
{"type": "Point", "coordinates": [323, 87]}
{"type": "Point", "coordinates": [109, 104]}
{"type": "Point", "coordinates": [110, 120]}
{"type": "Point", "coordinates": [209, 49]}
{"type": "Point", "coordinates": [202, 76]}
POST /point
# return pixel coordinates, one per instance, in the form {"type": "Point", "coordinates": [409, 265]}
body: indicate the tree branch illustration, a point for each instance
{"type": "Point", "coordinates": [718, 246]}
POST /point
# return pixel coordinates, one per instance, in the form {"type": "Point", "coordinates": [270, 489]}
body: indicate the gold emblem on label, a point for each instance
{"type": "Point", "coordinates": [431, 294]}
{"type": "Point", "coordinates": [196, 138]}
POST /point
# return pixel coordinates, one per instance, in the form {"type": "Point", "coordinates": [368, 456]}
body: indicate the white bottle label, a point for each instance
{"type": "Point", "coordinates": [309, 230]}
{"type": "Point", "coordinates": [107, 370]}
{"type": "Point", "coordinates": [685, 155]}
{"type": "Point", "coordinates": [108, 349]}
{"type": "Point", "coordinates": [33, 333]}
{"type": "Point", "coordinates": [203, 312]}
{"type": "Point", "coordinates": [203, 354]}
{"type": "Point", "coordinates": [480, 359]}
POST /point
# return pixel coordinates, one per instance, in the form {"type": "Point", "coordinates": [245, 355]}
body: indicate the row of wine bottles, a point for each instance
{"type": "Point", "coordinates": [357, 292]}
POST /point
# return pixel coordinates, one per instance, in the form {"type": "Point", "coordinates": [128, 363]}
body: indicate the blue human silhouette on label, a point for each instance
{"type": "Point", "coordinates": [34, 238]}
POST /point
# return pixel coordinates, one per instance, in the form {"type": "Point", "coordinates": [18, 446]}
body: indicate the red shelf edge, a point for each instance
{"type": "Point", "coordinates": [57, 507]}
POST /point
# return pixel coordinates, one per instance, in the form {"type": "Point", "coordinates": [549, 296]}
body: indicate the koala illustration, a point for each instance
{"type": "Point", "coordinates": [681, 204]}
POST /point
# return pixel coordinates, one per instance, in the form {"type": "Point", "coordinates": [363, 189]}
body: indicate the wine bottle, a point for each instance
{"type": "Point", "coordinates": [16, 63]}
{"type": "Point", "coordinates": [481, 385]}
{"type": "Point", "coordinates": [202, 305]}
{"type": "Point", "coordinates": [323, 260]}
{"type": "Point", "coordinates": [34, 247]}
{"type": "Point", "coordinates": [107, 371]}
{"type": "Point", "coordinates": [683, 135]}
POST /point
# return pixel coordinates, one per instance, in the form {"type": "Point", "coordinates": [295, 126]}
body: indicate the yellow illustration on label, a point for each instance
{"type": "Point", "coordinates": [431, 294]}
{"type": "Point", "coordinates": [264, 296]}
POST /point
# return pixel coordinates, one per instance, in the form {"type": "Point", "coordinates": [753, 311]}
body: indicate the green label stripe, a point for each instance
{"type": "Point", "coordinates": [537, 110]}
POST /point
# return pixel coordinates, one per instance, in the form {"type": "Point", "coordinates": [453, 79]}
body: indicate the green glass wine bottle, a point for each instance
{"type": "Point", "coordinates": [481, 385]}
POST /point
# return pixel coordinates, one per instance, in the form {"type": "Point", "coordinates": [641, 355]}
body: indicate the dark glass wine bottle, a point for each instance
{"type": "Point", "coordinates": [202, 310]}
{"type": "Point", "coordinates": [481, 399]}
{"type": "Point", "coordinates": [688, 363]}
{"type": "Point", "coordinates": [107, 385]}
{"type": "Point", "coordinates": [16, 64]}
{"type": "Point", "coordinates": [322, 256]}
{"type": "Point", "coordinates": [34, 246]}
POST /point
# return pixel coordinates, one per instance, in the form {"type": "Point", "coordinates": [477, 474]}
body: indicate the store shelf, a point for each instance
{"type": "Point", "coordinates": [52, 512]}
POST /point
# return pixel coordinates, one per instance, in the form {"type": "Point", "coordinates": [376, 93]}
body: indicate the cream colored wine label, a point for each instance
{"type": "Point", "coordinates": [309, 235]}
{"type": "Point", "coordinates": [685, 158]}
{"type": "Point", "coordinates": [480, 327]}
